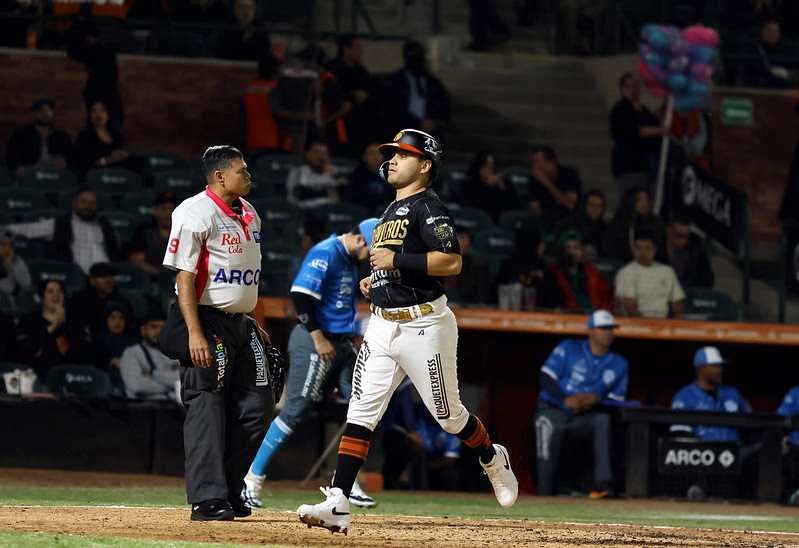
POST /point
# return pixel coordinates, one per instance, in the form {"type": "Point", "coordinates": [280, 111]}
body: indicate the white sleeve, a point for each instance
{"type": "Point", "coordinates": [624, 286]}
{"type": "Point", "coordinates": [43, 229]}
{"type": "Point", "coordinates": [186, 241]}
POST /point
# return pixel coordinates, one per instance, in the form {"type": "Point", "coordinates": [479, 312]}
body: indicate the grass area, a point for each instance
{"type": "Point", "coordinates": [33, 540]}
{"type": "Point", "coordinates": [453, 506]}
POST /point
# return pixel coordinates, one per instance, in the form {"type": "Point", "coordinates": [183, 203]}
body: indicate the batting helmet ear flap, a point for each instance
{"type": "Point", "coordinates": [383, 171]}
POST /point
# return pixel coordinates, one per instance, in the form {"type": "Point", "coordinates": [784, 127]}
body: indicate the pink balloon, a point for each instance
{"type": "Point", "coordinates": [701, 36]}
{"type": "Point", "coordinates": [656, 89]}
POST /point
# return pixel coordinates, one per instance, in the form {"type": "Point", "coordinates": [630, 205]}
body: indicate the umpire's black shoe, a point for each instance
{"type": "Point", "coordinates": [212, 510]}
{"type": "Point", "coordinates": [240, 510]}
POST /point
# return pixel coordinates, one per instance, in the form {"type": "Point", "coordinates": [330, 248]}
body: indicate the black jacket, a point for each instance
{"type": "Point", "coordinates": [61, 245]}
{"type": "Point", "coordinates": [398, 93]}
{"type": "Point", "coordinates": [25, 146]}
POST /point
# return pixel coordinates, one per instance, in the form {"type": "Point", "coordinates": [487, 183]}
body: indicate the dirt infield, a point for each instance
{"type": "Point", "coordinates": [283, 528]}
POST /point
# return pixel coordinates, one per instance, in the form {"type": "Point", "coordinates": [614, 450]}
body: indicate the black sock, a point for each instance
{"type": "Point", "coordinates": [352, 453]}
{"type": "Point", "coordinates": [474, 435]}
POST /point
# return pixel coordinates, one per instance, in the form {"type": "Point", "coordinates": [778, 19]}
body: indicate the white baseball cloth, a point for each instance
{"type": "Point", "coordinates": [221, 247]}
{"type": "Point", "coordinates": [653, 287]}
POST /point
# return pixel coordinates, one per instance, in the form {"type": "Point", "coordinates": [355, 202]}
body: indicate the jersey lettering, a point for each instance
{"type": "Point", "coordinates": [237, 277]}
{"type": "Point", "coordinates": [390, 233]}
{"type": "Point", "coordinates": [173, 245]}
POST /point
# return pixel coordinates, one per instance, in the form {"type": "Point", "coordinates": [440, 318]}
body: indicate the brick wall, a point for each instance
{"type": "Point", "coordinates": [180, 105]}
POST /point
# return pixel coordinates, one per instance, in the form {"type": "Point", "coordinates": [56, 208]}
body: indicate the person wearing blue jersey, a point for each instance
{"type": "Point", "coordinates": [577, 378]}
{"type": "Point", "coordinates": [707, 393]}
{"type": "Point", "coordinates": [789, 408]}
{"type": "Point", "coordinates": [320, 345]}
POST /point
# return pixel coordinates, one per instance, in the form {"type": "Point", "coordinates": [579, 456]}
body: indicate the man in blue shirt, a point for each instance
{"type": "Point", "coordinates": [788, 408]}
{"type": "Point", "coordinates": [323, 293]}
{"type": "Point", "coordinates": [578, 376]}
{"type": "Point", "coordinates": [708, 394]}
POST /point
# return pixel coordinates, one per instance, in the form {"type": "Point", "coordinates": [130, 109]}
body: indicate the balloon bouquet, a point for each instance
{"type": "Point", "coordinates": [677, 65]}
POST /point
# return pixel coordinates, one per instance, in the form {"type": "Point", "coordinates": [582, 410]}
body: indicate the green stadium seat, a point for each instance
{"type": "Point", "coordinates": [64, 199]}
{"type": "Point", "coordinates": [68, 274]}
{"type": "Point", "coordinates": [139, 203]}
{"type": "Point", "coordinates": [123, 223]}
{"type": "Point", "coordinates": [519, 179]}
{"type": "Point", "coordinates": [608, 268]}
{"type": "Point", "coordinates": [29, 248]}
{"type": "Point", "coordinates": [514, 219]}
{"type": "Point", "coordinates": [156, 161]}
{"type": "Point", "coordinates": [495, 242]}
{"type": "Point", "coordinates": [472, 219]}
{"type": "Point", "coordinates": [16, 202]}
{"type": "Point", "coordinates": [129, 278]}
{"type": "Point", "coordinates": [344, 167]}
{"type": "Point", "coordinates": [279, 264]}
{"type": "Point", "coordinates": [338, 217]}
{"type": "Point", "coordinates": [41, 214]}
{"type": "Point", "coordinates": [114, 181]}
{"type": "Point", "coordinates": [183, 183]}
{"type": "Point", "coordinates": [141, 301]}
{"type": "Point", "coordinates": [26, 300]}
{"type": "Point", "coordinates": [47, 179]}
{"type": "Point", "coordinates": [703, 303]}
{"type": "Point", "coordinates": [452, 181]}
{"type": "Point", "coordinates": [81, 381]}
{"type": "Point", "coordinates": [280, 220]}
{"type": "Point", "coordinates": [274, 168]}
{"type": "Point", "coordinates": [5, 178]}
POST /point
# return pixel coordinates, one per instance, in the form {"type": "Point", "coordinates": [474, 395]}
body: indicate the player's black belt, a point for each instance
{"type": "Point", "coordinates": [212, 310]}
{"type": "Point", "coordinates": [405, 314]}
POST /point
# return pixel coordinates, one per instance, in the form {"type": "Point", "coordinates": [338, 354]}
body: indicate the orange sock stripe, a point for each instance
{"type": "Point", "coordinates": [353, 447]}
{"type": "Point", "coordinates": [480, 436]}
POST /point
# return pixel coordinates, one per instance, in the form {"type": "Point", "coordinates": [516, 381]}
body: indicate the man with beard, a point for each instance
{"type": "Point", "coordinates": [81, 237]}
{"type": "Point", "coordinates": [39, 143]}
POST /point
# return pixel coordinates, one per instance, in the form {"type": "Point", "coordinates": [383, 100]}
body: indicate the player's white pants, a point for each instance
{"type": "Point", "coordinates": [426, 350]}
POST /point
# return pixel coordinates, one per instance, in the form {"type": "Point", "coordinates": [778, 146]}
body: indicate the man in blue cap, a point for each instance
{"type": "Point", "coordinates": [578, 376]}
{"type": "Point", "coordinates": [707, 393]}
{"type": "Point", "coordinates": [320, 345]}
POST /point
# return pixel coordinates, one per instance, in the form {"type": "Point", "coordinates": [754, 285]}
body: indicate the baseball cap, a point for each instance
{"type": "Point", "coordinates": [708, 355]}
{"type": "Point", "coordinates": [367, 227]}
{"type": "Point", "coordinates": [600, 319]}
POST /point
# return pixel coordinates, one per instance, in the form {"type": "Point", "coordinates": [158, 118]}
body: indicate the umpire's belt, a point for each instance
{"type": "Point", "coordinates": [404, 314]}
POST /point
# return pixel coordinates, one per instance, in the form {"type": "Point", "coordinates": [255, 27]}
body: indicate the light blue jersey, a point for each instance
{"type": "Point", "coordinates": [725, 398]}
{"type": "Point", "coordinates": [329, 275]}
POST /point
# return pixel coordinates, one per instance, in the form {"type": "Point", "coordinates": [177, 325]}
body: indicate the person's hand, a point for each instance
{"type": "Point", "coordinates": [115, 363]}
{"type": "Point", "coordinates": [323, 347]}
{"type": "Point", "coordinates": [573, 402]}
{"type": "Point", "coordinates": [359, 96]}
{"type": "Point", "coordinates": [365, 285]}
{"type": "Point", "coordinates": [381, 259]}
{"type": "Point", "coordinates": [330, 169]}
{"type": "Point", "coordinates": [199, 351]}
{"type": "Point", "coordinates": [495, 179]}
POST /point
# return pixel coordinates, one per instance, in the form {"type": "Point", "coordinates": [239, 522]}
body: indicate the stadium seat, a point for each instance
{"type": "Point", "coordinates": [280, 220]}
{"type": "Point", "coordinates": [156, 161]}
{"type": "Point", "coordinates": [5, 178]}
{"type": "Point", "coordinates": [519, 179]}
{"type": "Point", "coordinates": [703, 303]}
{"type": "Point", "coordinates": [114, 181]}
{"type": "Point", "coordinates": [139, 203]}
{"type": "Point", "coordinates": [41, 214]}
{"type": "Point", "coordinates": [18, 201]}
{"type": "Point", "coordinates": [278, 266]}
{"type": "Point", "coordinates": [183, 183]}
{"type": "Point", "coordinates": [26, 301]}
{"type": "Point", "coordinates": [453, 182]}
{"type": "Point", "coordinates": [129, 278]}
{"type": "Point", "coordinates": [275, 167]}
{"type": "Point", "coordinates": [514, 219]}
{"type": "Point", "coordinates": [141, 301]}
{"type": "Point", "coordinates": [608, 268]}
{"type": "Point", "coordinates": [344, 168]}
{"type": "Point", "coordinates": [123, 223]}
{"type": "Point", "coordinates": [472, 219]}
{"type": "Point", "coordinates": [338, 217]}
{"type": "Point", "coordinates": [496, 242]}
{"type": "Point", "coordinates": [68, 274]}
{"type": "Point", "coordinates": [29, 248]}
{"type": "Point", "coordinates": [81, 381]}
{"type": "Point", "coordinates": [64, 200]}
{"type": "Point", "coordinates": [47, 179]}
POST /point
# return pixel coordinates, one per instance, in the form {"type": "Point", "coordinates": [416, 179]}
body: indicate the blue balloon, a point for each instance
{"type": "Point", "coordinates": [654, 36]}
{"type": "Point", "coordinates": [655, 59]}
{"type": "Point", "coordinates": [676, 82]}
{"type": "Point", "coordinates": [699, 89]}
{"type": "Point", "coordinates": [703, 54]}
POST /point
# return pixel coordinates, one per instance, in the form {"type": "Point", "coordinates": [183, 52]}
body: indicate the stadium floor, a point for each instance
{"type": "Point", "coordinates": [40, 507]}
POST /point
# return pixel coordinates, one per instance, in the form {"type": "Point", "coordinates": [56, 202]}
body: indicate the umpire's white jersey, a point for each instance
{"type": "Point", "coordinates": [221, 247]}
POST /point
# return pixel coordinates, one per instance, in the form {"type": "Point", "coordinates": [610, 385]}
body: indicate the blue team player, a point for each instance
{"type": "Point", "coordinates": [789, 408]}
{"type": "Point", "coordinates": [578, 376]}
{"type": "Point", "coordinates": [707, 393]}
{"type": "Point", "coordinates": [320, 345]}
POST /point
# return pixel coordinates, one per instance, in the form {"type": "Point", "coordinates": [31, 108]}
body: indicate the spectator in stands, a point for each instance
{"type": "Point", "coordinates": [88, 308]}
{"type": "Point", "coordinates": [263, 131]}
{"type": "Point", "coordinates": [147, 247]}
{"type": "Point", "coordinates": [81, 238]}
{"type": "Point", "coordinates": [366, 187]}
{"type": "Point", "coordinates": [707, 393]}
{"type": "Point", "coordinates": [554, 188]}
{"type": "Point", "coordinates": [14, 274]}
{"type": "Point", "coordinates": [773, 59]}
{"type": "Point", "coordinates": [686, 254]}
{"type": "Point", "coordinates": [588, 220]}
{"type": "Point", "coordinates": [314, 182]}
{"type": "Point", "coordinates": [414, 98]}
{"type": "Point", "coordinates": [99, 144]}
{"type": "Point", "coordinates": [412, 436]}
{"type": "Point", "coordinates": [473, 284]}
{"type": "Point", "coordinates": [577, 378]}
{"type": "Point", "coordinates": [636, 136]}
{"type": "Point", "coordinates": [634, 213]}
{"type": "Point", "coordinates": [576, 283]}
{"type": "Point", "coordinates": [250, 41]}
{"type": "Point", "coordinates": [647, 288]}
{"type": "Point", "coordinates": [147, 373]}
{"type": "Point", "coordinates": [486, 26]}
{"type": "Point", "coordinates": [45, 338]}
{"type": "Point", "coordinates": [524, 266]}
{"type": "Point", "coordinates": [360, 89]}
{"type": "Point", "coordinates": [335, 107]}
{"type": "Point", "coordinates": [39, 143]}
{"type": "Point", "coordinates": [487, 189]}
{"type": "Point", "coordinates": [114, 339]}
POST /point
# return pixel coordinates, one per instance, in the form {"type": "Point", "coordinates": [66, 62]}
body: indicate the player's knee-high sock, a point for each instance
{"type": "Point", "coordinates": [352, 453]}
{"type": "Point", "coordinates": [277, 434]}
{"type": "Point", "coordinates": [474, 435]}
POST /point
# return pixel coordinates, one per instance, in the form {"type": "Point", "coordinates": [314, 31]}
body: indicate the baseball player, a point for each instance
{"type": "Point", "coordinates": [576, 377]}
{"type": "Point", "coordinates": [214, 246]}
{"type": "Point", "coordinates": [320, 346]}
{"type": "Point", "coordinates": [411, 331]}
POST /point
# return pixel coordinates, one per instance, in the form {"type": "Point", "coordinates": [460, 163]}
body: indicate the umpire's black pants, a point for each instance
{"type": "Point", "coordinates": [227, 405]}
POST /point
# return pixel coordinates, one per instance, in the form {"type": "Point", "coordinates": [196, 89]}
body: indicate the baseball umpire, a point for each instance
{"type": "Point", "coordinates": [215, 248]}
{"type": "Point", "coordinates": [411, 331]}
{"type": "Point", "coordinates": [320, 346]}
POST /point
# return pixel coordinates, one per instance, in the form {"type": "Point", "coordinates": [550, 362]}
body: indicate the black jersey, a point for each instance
{"type": "Point", "coordinates": [417, 224]}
